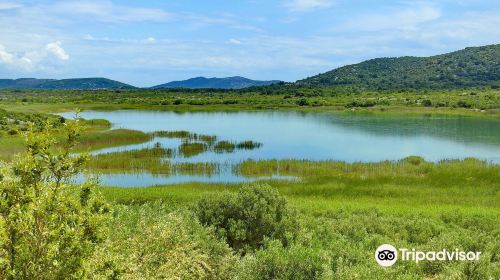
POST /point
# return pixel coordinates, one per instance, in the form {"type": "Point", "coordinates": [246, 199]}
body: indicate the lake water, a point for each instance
{"type": "Point", "coordinates": [312, 136]}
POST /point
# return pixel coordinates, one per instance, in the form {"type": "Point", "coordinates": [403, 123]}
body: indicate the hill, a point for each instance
{"type": "Point", "coordinates": [219, 83]}
{"type": "Point", "coordinates": [82, 83]}
{"type": "Point", "coordinates": [470, 67]}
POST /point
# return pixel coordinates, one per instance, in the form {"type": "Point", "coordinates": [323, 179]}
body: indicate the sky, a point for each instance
{"type": "Point", "coordinates": [150, 42]}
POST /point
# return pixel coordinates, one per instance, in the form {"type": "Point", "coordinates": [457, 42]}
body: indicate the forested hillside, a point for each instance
{"type": "Point", "coordinates": [470, 67]}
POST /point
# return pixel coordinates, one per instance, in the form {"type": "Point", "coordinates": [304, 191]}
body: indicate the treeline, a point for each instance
{"type": "Point", "coordinates": [264, 97]}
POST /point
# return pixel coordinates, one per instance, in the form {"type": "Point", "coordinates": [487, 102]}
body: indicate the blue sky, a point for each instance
{"type": "Point", "coordinates": [151, 42]}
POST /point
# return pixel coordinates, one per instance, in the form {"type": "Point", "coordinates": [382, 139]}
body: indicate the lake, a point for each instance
{"type": "Point", "coordinates": [352, 137]}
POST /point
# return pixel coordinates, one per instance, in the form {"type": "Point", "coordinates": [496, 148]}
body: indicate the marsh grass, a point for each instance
{"type": "Point", "coordinates": [186, 136]}
{"type": "Point", "coordinates": [196, 168]}
{"type": "Point", "coordinates": [229, 147]}
{"type": "Point", "coordinates": [466, 182]}
{"type": "Point", "coordinates": [93, 140]}
{"type": "Point", "coordinates": [467, 185]}
{"type": "Point", "coordinates": [95, 136]}
{"type": "Point", "coordinates": [224, 147]}
{"type": "Point", "coordinates": [192, 149]}
{"type": "Point", "coordinates": [194, 144]}
{"type": "Point", "coordinates": [135, 161]}
{"type": "Point", "coordinates": [152, 160]}
{"type": "Point", "coordinates": [96, 124]}
{"type": "Point", "coordinates": [248, 145]}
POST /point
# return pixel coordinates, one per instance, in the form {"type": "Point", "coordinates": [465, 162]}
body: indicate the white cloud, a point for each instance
{"type": "Point", "coordinates": [307, 5]}
{"type": "Point", "coordinates": [5, 57]}
{"type": "Point", "coordinates": [56, 50]}
{"type": "Point", "coordinates": [398, 18]}
{"type": "Point", "coordinates": [107, 11]}
{"type": "Point", "coordinates": [234, 41]}
{"type": "Point", "coordinates": [9, 5]}
{"type": "Point", "coordinates": [34, 60]}
{"type": "Point", "coordinates": [149, 40]}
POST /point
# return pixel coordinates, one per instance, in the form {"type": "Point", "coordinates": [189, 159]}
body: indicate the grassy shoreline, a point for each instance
{"type": "Point", "coordinates": [379, 110]}
{"type": "Point", "coordinates": [412, 181]}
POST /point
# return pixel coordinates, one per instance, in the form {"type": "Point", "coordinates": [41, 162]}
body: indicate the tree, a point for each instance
{"type": "Point", "coordinates": [48, 227]}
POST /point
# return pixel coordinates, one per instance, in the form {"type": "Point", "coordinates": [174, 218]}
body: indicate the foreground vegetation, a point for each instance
{"type": "Point", "coordinates": [328, 223]}
{"type": "Point", "coordinates": [324, 225]}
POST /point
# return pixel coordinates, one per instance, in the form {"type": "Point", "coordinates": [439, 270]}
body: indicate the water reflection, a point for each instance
{"type": "Point", "coordinates": [311, 136]}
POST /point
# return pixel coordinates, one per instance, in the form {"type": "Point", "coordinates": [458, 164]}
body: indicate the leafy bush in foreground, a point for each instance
{"type": "Point", "coordinates": [245, 219]}
{"type": "Point", "coordinates": [295, 263]}
{"type": "Point", "coordinates": [47, 227]}
{"type": "Point", "coordinates": [150, 242]}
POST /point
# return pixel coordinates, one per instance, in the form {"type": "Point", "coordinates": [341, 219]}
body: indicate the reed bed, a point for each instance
{"type": "Point", "coordinates": [192, 149]}
{"type": "Point", "coordinates": [186, 135]}
{"type": "Point", "coordinates": [110, 138]}
{"type": "Point", "coordinates": [196, 168]}
{"type": "Point", "coordinates": [248, 145]}
{"type": "Point", "coordinates": [152, 160]}
{"type": "Point", "coordinates": [224, 147]}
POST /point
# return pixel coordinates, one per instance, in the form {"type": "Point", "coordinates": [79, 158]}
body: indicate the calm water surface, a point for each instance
{"type": "Point", "coordinates": [312, 136]}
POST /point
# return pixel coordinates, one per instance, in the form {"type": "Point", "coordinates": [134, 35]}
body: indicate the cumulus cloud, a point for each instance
{"type": "Point", "coordinates": [5, 57]}
{"type": "Point", "coordinates": [307, 5]}
{"type": "Point", "coordinates": [33, 60]}
{"type": "Point", "coordinates": [56, 50]}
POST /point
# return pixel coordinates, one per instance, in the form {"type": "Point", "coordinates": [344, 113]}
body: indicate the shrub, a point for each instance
{"type": "Point", "coordinates": [302, 102]}
{"type": "Point", "coordinates": [48, 228]}
{"type": "Point", "coordinates": [150, 242]}
{"type": "Point", "coordinates": [427, 103]}
{"type": "Point", "coordinates": [294, 263]}
{"type": "Point", "coordinates": [245, 219]}
{"type": "Point", "coordinates": [463, 104]}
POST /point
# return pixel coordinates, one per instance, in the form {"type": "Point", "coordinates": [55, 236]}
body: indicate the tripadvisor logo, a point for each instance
{"type": "Point", "coordinates": [387, 255]}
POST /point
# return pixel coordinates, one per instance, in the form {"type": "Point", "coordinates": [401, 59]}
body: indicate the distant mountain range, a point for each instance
{"type": "Point", "coordinates": [220, 83]}
{"type": "Point", "coordinates": [83, 83]}
{"type": "Point", "coordinates": [470, 67]}
{"type": "Point", "coordinates": [103, 83]}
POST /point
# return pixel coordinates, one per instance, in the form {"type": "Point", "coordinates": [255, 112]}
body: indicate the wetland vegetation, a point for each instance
{"type": "Point", "coordinates": [324, 225]}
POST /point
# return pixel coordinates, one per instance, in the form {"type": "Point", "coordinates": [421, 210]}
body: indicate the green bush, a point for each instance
{"type": "Point", "coordinates": [427, 103]}
{"type": "Point", "coordinates": [294, 263]}
{"type": "Point", "coordinates": [245, 219]}
{"type": "Point", "coordinates": [149, 241]}
{"type": "Point", "coordinates": [302, 102]}
{"type": "Point", "coordinates": [48, 228]}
